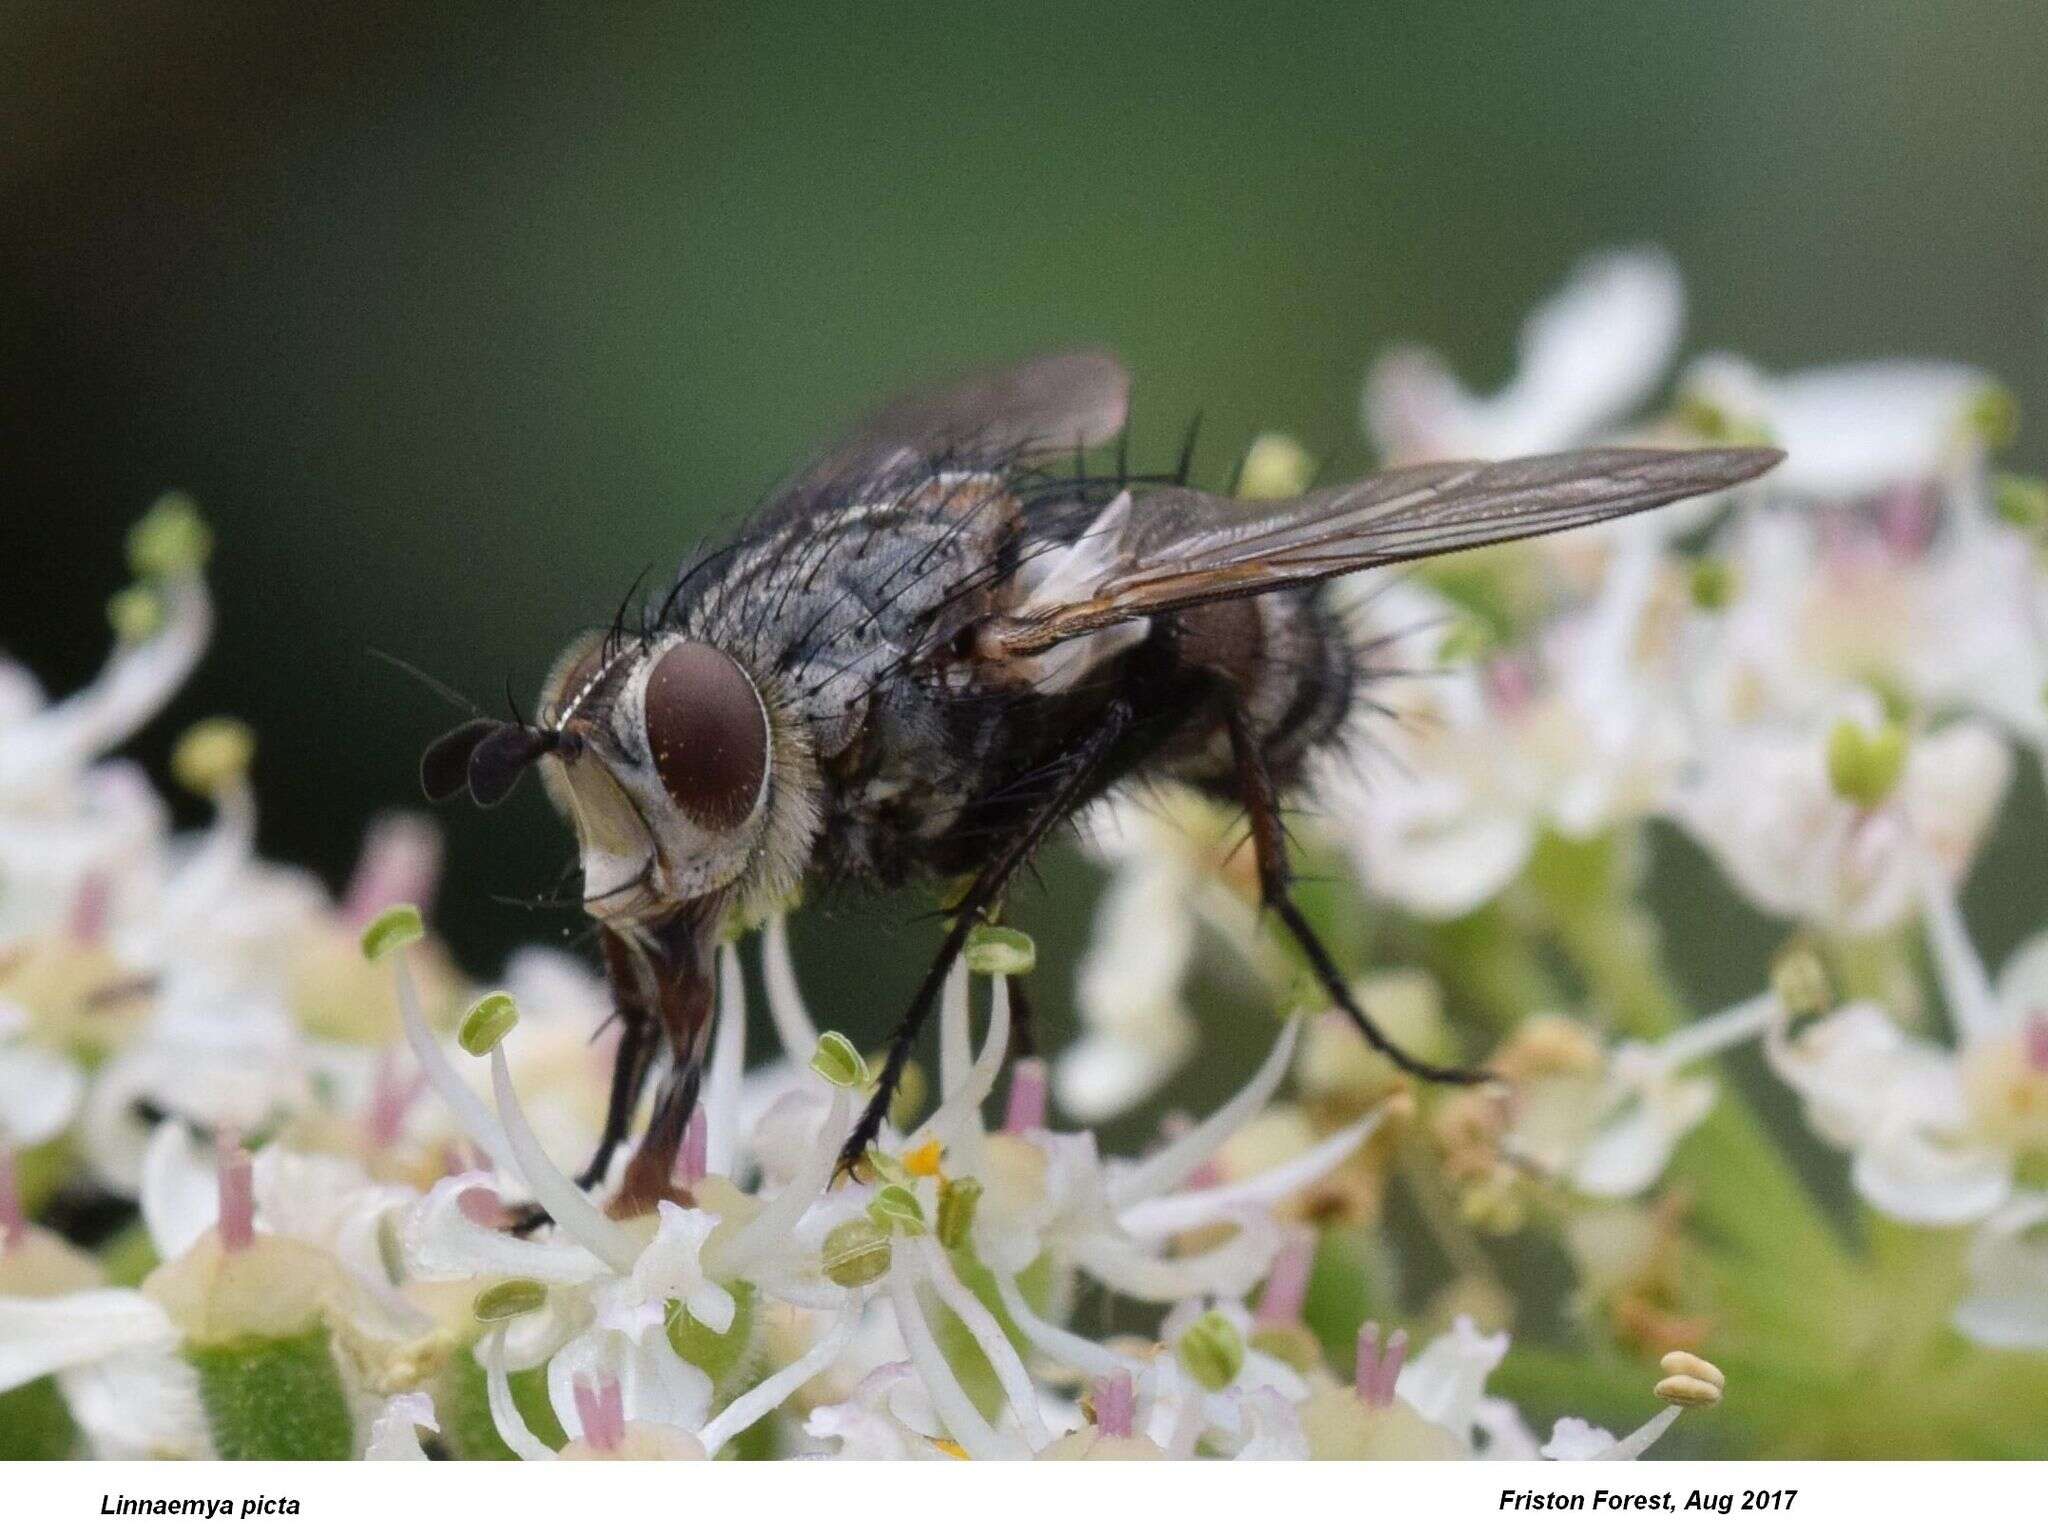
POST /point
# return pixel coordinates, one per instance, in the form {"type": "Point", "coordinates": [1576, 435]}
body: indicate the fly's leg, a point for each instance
{"type": "Point", "coordinates": [678, 956]}
{"type": "Point", "coordinates": [639, 1036]}
{"type": "Point", "coordinates": [639, 1046]}
{"type": "Point", "coordinates": [1269, 842]}
{"type": "Point", "coordinates": [1081, 770]}
{"type": "Point", "coordinates": [649, 1175]}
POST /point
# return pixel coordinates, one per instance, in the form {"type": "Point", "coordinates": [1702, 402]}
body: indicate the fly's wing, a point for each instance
{"type": "Point", "coordinates": [1171, 547]}
{"type": "Point", "coordinates": [1033, 410]}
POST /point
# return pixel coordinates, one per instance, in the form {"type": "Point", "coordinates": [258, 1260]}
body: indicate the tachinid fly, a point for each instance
{"type": "Point", "coordinates": [931, 648]}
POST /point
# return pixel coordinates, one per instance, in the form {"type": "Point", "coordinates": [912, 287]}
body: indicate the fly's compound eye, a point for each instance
{"type": "Point", "coordinates": [708, 733]}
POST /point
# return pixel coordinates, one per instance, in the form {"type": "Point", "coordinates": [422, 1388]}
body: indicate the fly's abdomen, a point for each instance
{"type": "Point", "coordinates": [1289, 660]}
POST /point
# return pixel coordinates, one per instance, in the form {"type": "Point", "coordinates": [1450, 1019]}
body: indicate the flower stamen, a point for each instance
{"type": "Point", "coordinates": [601, 1406]}
{"type": "Point", "coordinates": [1026, 1109]}
{"type": "Point", "coordinates": [237, 1182]}
{"type": "Point", "coordinates": [1116, 1405]}
{"type": "Point", "coordinates": [13, 1219]}
{"type": "Point", "coordinates": [1378, 1372]}
{"type": "Point", "coordinates": [1287, 1283]}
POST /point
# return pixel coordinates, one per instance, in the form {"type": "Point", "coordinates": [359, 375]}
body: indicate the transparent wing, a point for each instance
{"type": "Point", "coordinates": [1035, 409]}
{"type": "Point", "coordinates": [1180, 547]}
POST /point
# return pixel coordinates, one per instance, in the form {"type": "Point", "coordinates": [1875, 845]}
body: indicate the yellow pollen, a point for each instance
{"type": "Point", "coordinates": [923, 1160]}
{"type": "Point", "coordinates": [952, 1449]}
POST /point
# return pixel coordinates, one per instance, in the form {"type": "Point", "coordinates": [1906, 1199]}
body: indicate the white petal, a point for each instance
{"type": "Point", "coordinates": [1857, 429]}
{"type": "Point", "coordinates": [657, 1385]}
{"type": "Point", "coordinates": [979, 1322]}
{"type": "Point", "coordinates": [130, 690]}
{"type": "Point", "coordinates": [728, 1061]}
{"type": "Point", "coordinates": [142, 1403]}
{"type": "Point", "coordinates": [1574, 1440]}
{"type": "Point", "coordinates": [1627, 1156]}
{"type": "Point", "coordinates": [766, 1230]}
{"type": "Point", "coordinates": [672, 1266]}
{"type": "Point", "coordinates": [1589, 356]}
{"type": "Point", "coordinates": [2023, 984]}
{"type": "Point", "coordinates": [955, 1409]}
{"type": "Point", "coordinates": [785, 1003]}
{"type": "Point", "coordinates": [40, 1091]}
{"type": "Point", "coordinates": [767, 1396]}
{"type": "Point", "coordinates": [1102, 1074]}
{"type": "Point", "coordinates": [2006, 1307]}
{"type": "Point", "coordinates": [1060, 1345]}
{"type": "Point", "coordinates": [1193, 1208]}
{"type": "Point", "coordinates": [395, 1433]}
{"type": "Point", "coordinates": [1229, 1269]}
{"type": "Point", "coordinates": [1508, 1437]}
{"type": "Point", "coordinates": [1593, 352]}
{"type": "Point", "coordinates": [180, 1190]}
{"type": "Point", "coordinates": [1907, 1174]}
{"type": "Point", "coordinates": [1169, 1168]}
{"type": "Point", "coordinates": [1275, 1429]}
{"type": "Point", "coordinates": [1445, 1383]}
{"type": "Point", "coordinates": [574, 1212]}
{"type": "Point", "coordinates": [40, 1335]}
{"type": "Point", "coordinates": [1441, 861]}
{"type": "Point", "coordinates": [440, 1241]}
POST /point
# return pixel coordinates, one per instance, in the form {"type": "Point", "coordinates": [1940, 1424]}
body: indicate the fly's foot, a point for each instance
{"type": "Point", "coordinates": [853, 1153]}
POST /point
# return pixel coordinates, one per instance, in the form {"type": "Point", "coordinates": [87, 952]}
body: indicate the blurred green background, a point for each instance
{"type": "Point", "coordinates": [457, 317]}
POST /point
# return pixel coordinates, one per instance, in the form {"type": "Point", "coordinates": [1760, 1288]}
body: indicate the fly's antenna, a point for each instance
{"type": "Point", "coordinates": [422, 676]}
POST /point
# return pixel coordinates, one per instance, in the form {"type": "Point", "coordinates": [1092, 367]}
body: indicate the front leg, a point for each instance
{"type": "Point", "coordinates": [1269, 842]}
{"type": "Point", "coordinates": [639, 1039]}
{"type": "Point", "coordinates": [1079, 773]}
{"type": "Point", "coordinates": [679, 959]}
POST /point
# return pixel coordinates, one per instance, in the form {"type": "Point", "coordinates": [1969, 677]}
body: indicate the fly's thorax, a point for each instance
{"type": "Point", "coordinates": [681, 773]}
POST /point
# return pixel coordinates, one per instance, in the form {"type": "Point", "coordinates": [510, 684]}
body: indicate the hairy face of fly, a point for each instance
{"type": "Point", "coordinates": [662, 769]}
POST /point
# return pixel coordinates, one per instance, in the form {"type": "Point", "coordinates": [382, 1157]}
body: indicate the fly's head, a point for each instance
{"type": "Point", "coordinates": [668, 759]}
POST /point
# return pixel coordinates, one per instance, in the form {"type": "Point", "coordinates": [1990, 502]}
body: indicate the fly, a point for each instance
{"type": "Point", "coordinates": [932, 648]}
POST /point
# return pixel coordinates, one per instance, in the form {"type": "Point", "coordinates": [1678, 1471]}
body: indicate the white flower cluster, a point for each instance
{"type": "Point", "coordinates": [1824, 679]}
{"type": "Point", "coordinates": [326, 1257]}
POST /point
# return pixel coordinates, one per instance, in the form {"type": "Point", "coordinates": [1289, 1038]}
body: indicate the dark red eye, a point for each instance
{"type": "Point", "coordinates": [708, 734]}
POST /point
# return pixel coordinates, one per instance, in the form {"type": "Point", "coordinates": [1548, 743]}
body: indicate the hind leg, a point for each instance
{"type": "Point", "coordinates": [1269, 842]}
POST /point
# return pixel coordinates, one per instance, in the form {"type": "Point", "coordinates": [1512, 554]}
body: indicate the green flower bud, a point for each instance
{"type": "Point", "coordinates": [838, 1061]}
{"type": "Point", "coordinates": [957, 1203]}
{"type": "Point", "coordinates": [1212, 1351]}
{"type": "Point", "coordinates": [716, 1355]}
{"type": "Point", "coordinates": [1864, 766]}
{"type": "Point", "coordinates": [856, 1253]}
{"type": "Point", "coordinates": [1994, 415]}
{"type": "Point", "coordinates": [895, 1210]}
{"type": "Point", "coordinates": [1293, 1343]}
{"type": "Point", "coordinates": [1275, 466]}
{"type": "Point", "coordinates": [509, 1299]}
{"type": "Point", "coordinates": [489, 1020]}
{"type": "Point", "coordinates": [134, 614]}
{"type": "Point", "coordinates": [392, 929]}
{"type": "Point", "coordinates": [1801, 982]}
{"type": "Point", "coordinates": [269, 1400]}
{"type": "Point", "coordinates": [213, 755]}
{"type": "Point", "coordinates": [994, 951]}
{"type": "Point", "coordinates": [1466, 639]}
{"type": "Point", "coordinates": [2021, 500]}
{"type": "Point", "coordinates": [1714, 583]}
{"type": "Point", "coordinates": [1709, 419]}
{"type": "Point", "coordinates": [171, 540]}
